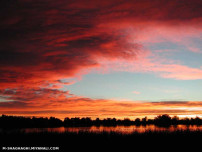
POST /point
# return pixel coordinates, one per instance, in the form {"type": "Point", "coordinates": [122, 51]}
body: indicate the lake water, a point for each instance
{"type": "Point", "coordinates": [120, 129]}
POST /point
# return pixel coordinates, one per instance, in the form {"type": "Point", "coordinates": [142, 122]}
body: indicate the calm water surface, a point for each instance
{"type": "Point", "coordinates": [120, 129]}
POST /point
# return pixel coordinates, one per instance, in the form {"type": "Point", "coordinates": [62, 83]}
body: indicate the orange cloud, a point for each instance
{"type": "Point", "coordinates": [83, 107]}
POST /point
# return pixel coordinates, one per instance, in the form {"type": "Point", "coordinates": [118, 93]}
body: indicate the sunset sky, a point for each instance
{"type": "Point", "coordinates": [101, 58]}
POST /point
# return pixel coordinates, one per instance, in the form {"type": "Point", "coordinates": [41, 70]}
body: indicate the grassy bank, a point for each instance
{"type": "Point", "coordinates": [102, 140]}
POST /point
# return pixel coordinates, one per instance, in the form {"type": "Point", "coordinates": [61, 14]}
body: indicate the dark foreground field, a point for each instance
{"type": "Point", "coordinates": [82, 141]}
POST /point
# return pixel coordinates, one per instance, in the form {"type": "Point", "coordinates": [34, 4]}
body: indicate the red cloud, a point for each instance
{"type": "Point", "coordinates": [45, 41]}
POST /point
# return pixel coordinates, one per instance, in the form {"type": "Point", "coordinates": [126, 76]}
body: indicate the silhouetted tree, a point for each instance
{"type": "Point", "coordinates": [163, 120]}
{"type": "Point", "coordinates": [137, 121]}
{"type": "Point", "coordinates": [144, 121]}
{"type": "Point", "coordinates": [127, 121]}
{"type": "Point", "coordinates": [175, 120]}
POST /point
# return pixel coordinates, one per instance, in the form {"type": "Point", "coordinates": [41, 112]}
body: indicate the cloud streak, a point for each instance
{"type": "Point", "coordinates": [81, 107]}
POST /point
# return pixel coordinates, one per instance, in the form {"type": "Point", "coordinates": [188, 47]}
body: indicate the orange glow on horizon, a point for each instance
{"type": "Point", "coordinates": [85, 107]}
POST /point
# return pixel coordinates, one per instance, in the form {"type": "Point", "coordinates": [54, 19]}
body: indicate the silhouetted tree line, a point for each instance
{"type": "Point", "coordinates": [27, 122]}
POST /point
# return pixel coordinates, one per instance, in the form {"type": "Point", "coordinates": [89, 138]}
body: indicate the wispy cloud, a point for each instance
{"type": "Point", "coordinates": [136, 92]}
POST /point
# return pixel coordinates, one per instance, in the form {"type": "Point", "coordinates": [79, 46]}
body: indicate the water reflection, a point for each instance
{"type": "Point", "coordinates": [120, 129]}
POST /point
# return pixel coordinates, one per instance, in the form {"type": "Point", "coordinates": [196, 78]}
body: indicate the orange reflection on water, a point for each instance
{"type": "Point", "coordinates": [119, 129]}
